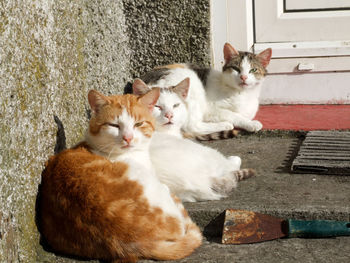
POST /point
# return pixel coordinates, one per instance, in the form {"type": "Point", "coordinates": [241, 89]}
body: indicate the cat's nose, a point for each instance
{"type": "Point", "coordinates": [243, 77]}
{"type": "Point", "coordinates": [168, 115]}
{"type": "Point", "coordinates": [128, 138]}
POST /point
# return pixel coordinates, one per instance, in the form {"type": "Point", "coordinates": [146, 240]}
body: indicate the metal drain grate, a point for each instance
{"type": "Point", "coordinates": [324, 152]}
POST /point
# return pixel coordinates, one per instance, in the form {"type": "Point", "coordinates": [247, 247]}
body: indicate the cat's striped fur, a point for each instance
{"type": "Point", "coordinates": [221, 135]}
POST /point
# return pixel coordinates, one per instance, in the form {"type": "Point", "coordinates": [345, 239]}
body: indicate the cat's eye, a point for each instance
{"type": "Point", "coordinates": [236, 69]}
{"type": "Point", "coordinates": [138, 124]}
{"type": "Point", "coordinates": [176, 105]}
{"type": "Point", "coordinates": [253, 70]}
{"type": "Point", "coordinates": [159, 107]}
{"type": "Point", "coordinates": [113, 125]}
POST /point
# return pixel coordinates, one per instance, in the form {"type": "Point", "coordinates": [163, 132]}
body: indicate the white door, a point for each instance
{"type": "Point", "coordinates": [310, 40]}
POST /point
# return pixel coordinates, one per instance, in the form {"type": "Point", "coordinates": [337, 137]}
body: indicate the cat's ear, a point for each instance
{"type": "Point", "coordinates": [97, 100]}
{"type": "Point", "coordinates": [139, 87]}
{"type": "Point", "coordinates": [265, 56]}
{"type": "Point", "coordinates": [229, 52]}
{"type": "Point", "coordinates": [182, 88]}
{"type": "Point", "coordinates": [150, 98]}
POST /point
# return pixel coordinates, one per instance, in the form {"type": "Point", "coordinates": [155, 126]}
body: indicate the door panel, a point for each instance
{"type": "Point", "coordinates": [274, 24]}
{"type": "Point", "coordinates": [316, 5]}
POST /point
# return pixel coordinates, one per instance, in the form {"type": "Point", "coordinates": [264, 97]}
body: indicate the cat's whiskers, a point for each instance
{"type": "Point", "coordinates": [103, 147]}
{"type": "Point", "coordinates": [109, 155]}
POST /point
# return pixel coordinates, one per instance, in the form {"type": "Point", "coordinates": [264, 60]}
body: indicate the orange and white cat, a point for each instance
{"type": "Point", "coordinates": [102, 199]}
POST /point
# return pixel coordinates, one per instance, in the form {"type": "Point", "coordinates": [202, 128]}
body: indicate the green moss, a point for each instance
{"type": "Point", "coordinates": [29, 236]}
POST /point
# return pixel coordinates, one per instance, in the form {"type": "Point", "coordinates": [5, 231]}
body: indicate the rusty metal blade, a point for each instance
{"type": "Point", "coordinates": [244, 227]}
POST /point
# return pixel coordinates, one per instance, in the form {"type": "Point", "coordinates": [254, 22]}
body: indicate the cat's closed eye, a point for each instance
{"type": "Point", "coordinates": [113, 125]}
{"type": "Point", "coordinates": [176, 105]}
{"type": "Point", "coordinates": [139, 124]}
{"type": "Point", "coordinates": [159, 107]}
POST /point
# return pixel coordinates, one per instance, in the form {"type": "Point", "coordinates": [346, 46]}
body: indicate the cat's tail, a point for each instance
{"type": "Point", "coordinates": [228, 134]}
{"type": "Point", "coordinates": [244, 173]}
{"type": "Point", "coordinates": [178, 248]}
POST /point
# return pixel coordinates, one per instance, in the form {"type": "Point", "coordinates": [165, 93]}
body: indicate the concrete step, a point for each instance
{"type": "Point", "coordinates": [293, 250]}
{"type": "Point", "coordinates": [276, 191]}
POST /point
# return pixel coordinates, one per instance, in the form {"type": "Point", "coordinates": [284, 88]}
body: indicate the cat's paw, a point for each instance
{"type": "Point", "coordinates": [224, 184]}
{"type": "Point", "coordinates": [254, 126]}
{"type": "Point", "coordinates": [225, 126]}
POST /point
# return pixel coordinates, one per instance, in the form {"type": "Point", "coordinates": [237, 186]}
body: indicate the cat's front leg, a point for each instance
{"type": "Point", "coordinates": [238, 121]}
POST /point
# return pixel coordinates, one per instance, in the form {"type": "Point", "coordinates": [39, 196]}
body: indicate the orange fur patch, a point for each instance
{"type": "Point", "coordinates": [90, 208]}
{"type": "Point", "coordinates": [115, 107]}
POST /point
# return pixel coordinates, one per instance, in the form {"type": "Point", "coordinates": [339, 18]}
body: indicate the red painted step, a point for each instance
{"type": "Point", "coordinates": [304, 117]}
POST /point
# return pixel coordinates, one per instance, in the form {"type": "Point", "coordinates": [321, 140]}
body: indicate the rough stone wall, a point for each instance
{"type": "Point", "coordinates": [164, 32]}
{"type": "Point", "coordinates": [51, 53]}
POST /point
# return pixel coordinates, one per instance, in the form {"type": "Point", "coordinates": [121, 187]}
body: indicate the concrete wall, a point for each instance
{"type": "Point", "coordinates": [51, 53]}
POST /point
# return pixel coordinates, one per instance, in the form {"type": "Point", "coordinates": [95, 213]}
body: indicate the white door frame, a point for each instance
{"type": "Point", "coordinates": [225, 16]}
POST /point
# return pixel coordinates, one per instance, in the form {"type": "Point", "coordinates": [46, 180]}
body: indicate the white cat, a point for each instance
{"type": "Point", "coordinates": [217, 100]}
{"type": "Point", "coordinates": [192, 171]}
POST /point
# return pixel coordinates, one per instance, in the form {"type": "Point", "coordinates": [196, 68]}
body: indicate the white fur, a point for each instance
{"type": "Point", "coordinates": [186, 167]}
{"type": "Point", "coordinates": [223, 104]}
{"type": "Point", "coordinates": [229, 102]}
{"type": "Point", "coordinates": [164, 105]}
{"type": "Point", "coordinates": [195, 102]}
{"type": "Point", "coordinates": [110, 144]}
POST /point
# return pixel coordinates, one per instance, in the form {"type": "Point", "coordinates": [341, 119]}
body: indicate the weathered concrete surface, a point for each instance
{"type": "Point", "coordinates": [277, 192]}
{"type": "Point", "coordinates": [278, 251]}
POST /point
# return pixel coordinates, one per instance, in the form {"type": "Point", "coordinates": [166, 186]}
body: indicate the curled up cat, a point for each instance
{"type": "Point", "coordinates": [102, 200]}
{"type": "Point", "coordinates": [192, 171]}
{"type": "Point", "coordinates": [218, 100]}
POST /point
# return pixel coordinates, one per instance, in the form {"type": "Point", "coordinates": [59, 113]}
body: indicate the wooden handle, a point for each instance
{"type": "Point", "coordinates": [318, 228]}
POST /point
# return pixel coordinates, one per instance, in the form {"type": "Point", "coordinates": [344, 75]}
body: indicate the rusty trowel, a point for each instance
{"type": "Point", "coordinates": [244, 227]}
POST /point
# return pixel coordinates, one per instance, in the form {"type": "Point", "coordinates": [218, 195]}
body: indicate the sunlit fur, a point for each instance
{"type": "Point", "coordinates": [102, 199]}
{"type": "Point", "coordinates": [196, 102]}
{"type": "Point", "coordinates": [169, 103]}
{"type": "Point", "coordinates": [233, 94]}
{"type": "Point", "coordinates": [192, 171]}
{"type": "Point", "coordinates": [219, 100]}
{"type": "Point", "coordinates": [107, 140]}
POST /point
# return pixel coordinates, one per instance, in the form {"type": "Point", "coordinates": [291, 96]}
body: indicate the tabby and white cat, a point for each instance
{"type": "Point", "coordinates": [218, 100]}
{"type": "Point", "coordinates": [102, 200]}
{"type": "Point", "coordinates": [192, 171]}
